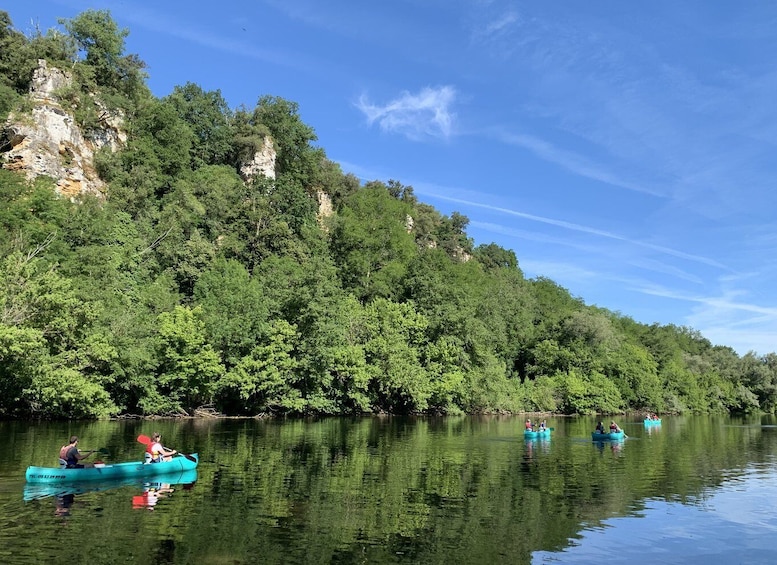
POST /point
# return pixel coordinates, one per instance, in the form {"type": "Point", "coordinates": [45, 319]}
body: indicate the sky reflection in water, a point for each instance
{"type": "Point", "coordinates": [736, 523]}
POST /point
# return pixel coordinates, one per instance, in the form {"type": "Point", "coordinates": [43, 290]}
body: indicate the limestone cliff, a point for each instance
{"type": "Point", "coordinates": [263, 162]}
{"type": "Point", "coordinates": [47, 141]}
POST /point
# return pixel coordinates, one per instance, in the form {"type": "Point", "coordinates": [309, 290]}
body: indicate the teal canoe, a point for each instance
{"type": "Point", "coordinates": [110, 472]}
{"type": "Point", "coordinates": [607, 437]}
{"type": "Point", "coordinates": [652, 422]}
{"type": "Point", "coordinates": [38, 491]}
{"type": "Point", "coordinates": [529, 434]}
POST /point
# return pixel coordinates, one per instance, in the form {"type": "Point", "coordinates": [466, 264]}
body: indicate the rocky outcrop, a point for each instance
{"type": "Point", "coordinates": [325, 208]}
{"type": "Point", "coordinates": [263, 163]}
{"type": "Point", "coordinates": [47, 141]}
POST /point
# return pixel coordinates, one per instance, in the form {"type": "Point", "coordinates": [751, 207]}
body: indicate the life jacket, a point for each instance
{"type": "Point", "coordinates": [156, 456]}
{"type": "Point", "coordinates": [65, 454]}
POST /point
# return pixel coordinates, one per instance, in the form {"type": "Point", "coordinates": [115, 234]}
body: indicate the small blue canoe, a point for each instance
{"type": "Point", "coordinates": [530, 434]}
{"type": "Point", "coordinates": [110, 472]}
{"type": "Point", "coordinates": [607, 437]}
{"type": "Point", "coordinates": [648, 422]}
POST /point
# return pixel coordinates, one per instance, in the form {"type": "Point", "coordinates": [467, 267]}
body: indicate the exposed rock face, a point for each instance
{"type": "Point", "coordinates": [263, 163]}
{"type": "Point", "coordinates": [325, 209]}
{"type": "Point", "coordinates": [49, 142]}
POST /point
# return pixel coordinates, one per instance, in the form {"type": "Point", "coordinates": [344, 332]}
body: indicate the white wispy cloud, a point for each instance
{"type": "Point", "coordinates": [572, 161]}
{"type": "Point", "coordinates": [728, 319]}
{"type": "Point", "coordinates": [499, 24]}
{"type": "Point", "coordinates": [417, 116]}
{"type": "Point", "coordinates": [661, 267]}
{"type": "Point", "coordinates": [585, 229]}
{"type": "Point", "coordinates": [641, 263]}
{"type": "Point", "coordinates": [720, 304]}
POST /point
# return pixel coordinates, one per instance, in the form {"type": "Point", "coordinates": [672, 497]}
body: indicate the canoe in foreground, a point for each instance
{"type": "Point", "coordinates": [38, 491]}
{"type": "Point", "coordinates": [649, 422]}
{"type": "Point", "coordinates": [606, 437]}
{"type": "Point", "coordinates": [529, 434]}
{"type": "Point", "coordinates": [109, 472]}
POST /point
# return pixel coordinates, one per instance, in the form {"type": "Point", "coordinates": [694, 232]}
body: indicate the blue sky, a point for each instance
{"type": "Point", "coordinates": [624, 150]}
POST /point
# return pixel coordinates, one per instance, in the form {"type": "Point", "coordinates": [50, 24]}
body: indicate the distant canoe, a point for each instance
{"type": "Point", "coordinates": [649, 422]}
{"type": "Point", "coordinates": [607, 437]}
{"type": "Point", "coordinates": [544, 434]}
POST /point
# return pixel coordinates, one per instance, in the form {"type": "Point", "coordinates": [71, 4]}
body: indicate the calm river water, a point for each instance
{"type": "Point", "coordinates": [403, 490]}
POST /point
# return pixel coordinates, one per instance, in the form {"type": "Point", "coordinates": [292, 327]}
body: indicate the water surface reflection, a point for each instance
{"type": "Point", "coordinates": [735, 523]}
{"type": "Point", "coordinates": [409, 490]}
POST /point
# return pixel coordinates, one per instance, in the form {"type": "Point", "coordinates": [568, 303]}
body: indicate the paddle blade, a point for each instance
{"type": "Point", "coordinates": [189, 457]}
{"type": "Point", "coordinates": [145, 440]}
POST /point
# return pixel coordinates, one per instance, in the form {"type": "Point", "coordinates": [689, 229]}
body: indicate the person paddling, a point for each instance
{"type": "Point", "coordinates": [159, 452]}
{"type": "Point", "coordinates": [72, 456]}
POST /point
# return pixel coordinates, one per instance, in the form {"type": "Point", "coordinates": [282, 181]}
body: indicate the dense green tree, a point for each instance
{"type": "Point", "coordinates": [102, 43]}
{"type": "Point", "coordinates": [21, 352]}
{"type": "Point", "coordinates": [189, 369]}
{"type": "Point", "coordinates": [371, 244]}
{"type": "Point", "coordinates": [264, 380]}
{"type": "Point", "coordinates": [234, 309]}
{"type": "Point", "coordinates": [492, 256]}
{"type": "Point", "coordinates": [394, 337]}
{"type": "Point", "coordinates": [208, 115]}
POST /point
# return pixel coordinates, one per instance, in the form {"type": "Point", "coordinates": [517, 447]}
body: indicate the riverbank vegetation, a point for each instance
{"type": "Point", "coordinates": [189, 286]}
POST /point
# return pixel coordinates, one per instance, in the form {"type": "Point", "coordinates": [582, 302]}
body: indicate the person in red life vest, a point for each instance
{"type": "Point", "coordinates": [614, 427]}
{"type": "Point", "coordinates": [72, 456]}
{"type": "Point", "coordinates": [159, 452]}
{"type": "Point", "coordinates": [529, 425]}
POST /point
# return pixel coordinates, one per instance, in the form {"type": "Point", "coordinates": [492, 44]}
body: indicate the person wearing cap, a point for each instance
{"type": "Point", "coordinates": [72, 456]}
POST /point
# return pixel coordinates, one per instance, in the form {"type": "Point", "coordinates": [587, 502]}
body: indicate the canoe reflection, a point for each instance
{"type": "Point", "coordinates": [615, 446]}
{"type": "Point", "coordinates": [64, 494]}
{"type": "Point", "coordinates": [161, 487]}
